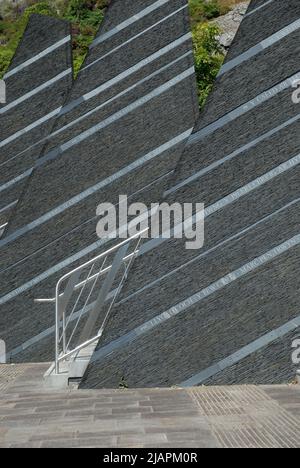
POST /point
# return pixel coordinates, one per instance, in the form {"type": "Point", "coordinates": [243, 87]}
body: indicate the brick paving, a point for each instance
{"type": "Point", "coordinates": [9, 373]}
{"type": "Point", "coordinates": [238, 417]}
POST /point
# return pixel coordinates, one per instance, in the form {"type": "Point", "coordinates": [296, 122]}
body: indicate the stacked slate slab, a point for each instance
{"type": "Point", "coordinates": [37, 83]}
{"type": "Point", "coordinates": [227, 313]}
{"type": "Point", "coordinates": [121, 131]}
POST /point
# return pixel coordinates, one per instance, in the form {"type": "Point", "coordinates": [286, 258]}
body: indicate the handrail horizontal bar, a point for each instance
{"type": "Point", "coordinates": [104, 254]}
{"type": "Point", "coordinates": [79, 285]}
{"type": "Point", "coordinates": [71, 287]}
{"type": "Point", "coordinates": [63, 357]}
{"type": "Point", "coordinates": [105, 270]}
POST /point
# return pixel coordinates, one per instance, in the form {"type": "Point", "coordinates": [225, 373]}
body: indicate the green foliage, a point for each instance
{"type": "Point", "coordinates": [83, 12]}
{"type": "Point", "coordinates": [8, 9]}
{"type": "Point", "coordinates": [5, 57]}
{"type": "Point", "coordinates": [123, 384]}
{"type": "Point", "coordinates": [81, 45]}
{"type": "Point", "coordinates": [208, 58]}
{"type": "Point", "coordinates": [42, 8]}
{"type": "Point", "coordinates": [77, 10]}
{"type": "Point", "coordinates": [211, 10]}
{"type": "Point", "coordinates": [86, 16]}
{"type": "Point", "coordinates": [202, 10]}
{"type": "Point", "coordinates": [11, 31]}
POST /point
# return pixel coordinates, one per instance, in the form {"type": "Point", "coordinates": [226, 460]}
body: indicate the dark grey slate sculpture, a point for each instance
{"type": "Point", "coordinates": [37, 83]}
{"type": "Point", "coordinates": [122, 130]}
{"type": "Point", "coordinates": [227, 313]}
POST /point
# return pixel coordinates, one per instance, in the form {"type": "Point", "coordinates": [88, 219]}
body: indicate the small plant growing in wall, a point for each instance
{"type": "Point", "coordinates": [123, 384]}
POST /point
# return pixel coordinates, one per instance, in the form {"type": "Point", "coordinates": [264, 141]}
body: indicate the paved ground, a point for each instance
{"type": "Point", "coordinates": [245, 416]}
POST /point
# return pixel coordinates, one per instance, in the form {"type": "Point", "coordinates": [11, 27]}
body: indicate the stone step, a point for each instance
{"type": "Point", "coordinates": [236, 417]}
{"type": "Point", "coordinates": [71, 370]}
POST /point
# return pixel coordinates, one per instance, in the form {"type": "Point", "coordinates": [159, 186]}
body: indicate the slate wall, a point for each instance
{"type": "Point", "coordinates": [37, 83]}
{"type": "Point", "coordinates": [121, 131]}
{"type": "Point", "coordinates": [184, 313]}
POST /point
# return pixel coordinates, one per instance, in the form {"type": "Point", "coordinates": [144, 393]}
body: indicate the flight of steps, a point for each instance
{"type": "Point", "coordinates": [238, 416]}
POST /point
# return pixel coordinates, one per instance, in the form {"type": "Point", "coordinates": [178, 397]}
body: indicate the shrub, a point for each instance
{"type": "Point", "coordinates": [77, 10]}
{"type": "Point", "coordinates": [208, 58]}
{"type": "Point", "coordinates": [5, 58]}
{"type": "Point", "coordinates": [211, 10]}
{"type": "Point", "coordinates": [42, 8]}
{"type": "Point", "coordinates": [202, 10]}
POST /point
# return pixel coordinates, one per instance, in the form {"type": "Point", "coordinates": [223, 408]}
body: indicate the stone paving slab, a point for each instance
{"type": "Point", "coordinates": [32, 416]}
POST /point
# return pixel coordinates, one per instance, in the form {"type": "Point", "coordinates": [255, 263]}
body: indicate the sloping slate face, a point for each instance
{"type": "Point", "coordinates": [256, 4]}
{"type": "Point", "coordinates": [187, 316]}
{"type": "Point", "coordinates": [37, 84]}
{"type": "Point", "coordinates": [121, 131]}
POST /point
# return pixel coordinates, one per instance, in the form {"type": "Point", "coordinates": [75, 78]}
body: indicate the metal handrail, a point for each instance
{"type": "Point", "coordinates": [79, 285]}
{"type": "Point", "coordinates": [62, 342]}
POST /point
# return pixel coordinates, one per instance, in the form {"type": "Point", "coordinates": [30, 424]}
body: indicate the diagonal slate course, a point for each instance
{"type": "Point", "coordinates": [226, 313]}
{"type": "Point", "coordinates": [37, 83]}
{"type": "Point", "coordinates": [121, 130]}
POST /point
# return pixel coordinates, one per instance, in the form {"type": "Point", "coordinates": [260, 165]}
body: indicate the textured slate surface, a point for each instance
{"type": "Point", "coordinates": [192, 310]}
{"type": "Point", "coordinates": [148, 66]}
{"type": "Point", "coordinates": [257, 27]}
{"type": "Point", "coordinates": [273, 362]}
{"type": "Point", "coordinates": [249, 79]}
{"type": "Point", "coordinates": [257, 4]}
{"type": "Point", "coordinates": [44, 54]}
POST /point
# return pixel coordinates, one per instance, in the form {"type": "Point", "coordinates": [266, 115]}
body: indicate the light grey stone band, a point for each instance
{"type": "Point", "coordinates": [37, 57]}
{"type": "Point", "coordinates": [195, 299]}
{"type": "Point", "coordinates": [255, 10]}
{"type": "Point", "coordinates": [243, 109]}
{"type": "Point", "coordinates": [57, 151]}
{"type": "Point", "coordinates": [49, 331]}
{"type": "Point", "coordinates": [38, 89]}
{"type": "Point", "coordinates": [129, 22]}
{"type": "Point", "coordinates": [231, 156]}
{"type": "Point", "coordinates": [125, 43]}
{"type": "Point", "coordinates": [271, 40]}
{"type": "Point", "coordinates": [96, 91]}
{"type": "Point", "coordinates": [242, 353]}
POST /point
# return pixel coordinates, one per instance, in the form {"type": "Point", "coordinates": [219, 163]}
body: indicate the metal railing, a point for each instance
{"type": "Point", "coordinates": [85, 296]}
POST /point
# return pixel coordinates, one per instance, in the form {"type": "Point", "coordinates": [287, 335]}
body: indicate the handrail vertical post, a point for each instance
{"type": "Point", "coordinates": [62, 319]}
{"type": "Point", "coordinates": [64, 333]}
{"type": "Point", "coordinates": [57, 332]}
